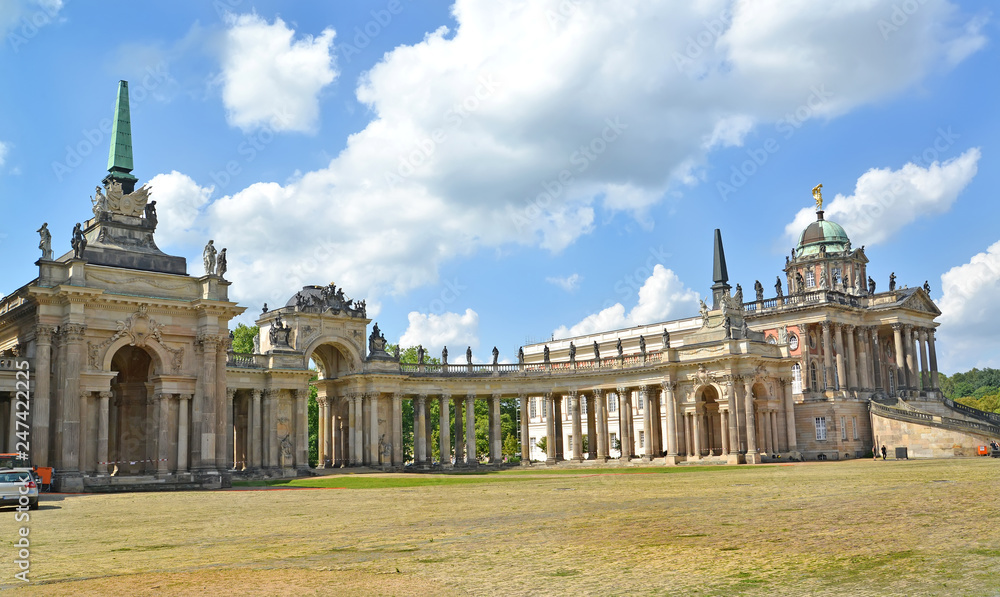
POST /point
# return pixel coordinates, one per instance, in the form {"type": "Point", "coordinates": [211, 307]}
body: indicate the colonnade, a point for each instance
{"type": "Point", "coordinates": [257, 439]}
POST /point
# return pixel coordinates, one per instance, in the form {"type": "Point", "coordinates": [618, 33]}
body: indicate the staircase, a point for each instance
{"type": "Point", "coordinates": [901, 411]}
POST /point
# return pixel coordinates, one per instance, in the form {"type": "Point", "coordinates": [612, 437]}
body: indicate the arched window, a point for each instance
{"type": "Point", "coordinates": [812, 376]}
{"type": "Point", "coordinates": [796, 378]}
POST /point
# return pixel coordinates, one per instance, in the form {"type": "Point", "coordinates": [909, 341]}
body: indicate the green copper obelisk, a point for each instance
{"type": "Point", "coordinates": [120, 155]}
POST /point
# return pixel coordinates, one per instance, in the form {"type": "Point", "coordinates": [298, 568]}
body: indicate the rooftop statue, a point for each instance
{"type": "Point", "coordinates": [444, 355]}
{"type": "Point", "coordinates": [151, 214]}
{"type": "Point", "coordinates": [739, 294]}
{"type": "Point", "coordinates": [79, 242]}
{"type": "Point", "coordinates": [496, 355]}
{"type": "Point", "coordinates": [871, 285]}
{"type": "Point", "coordinates": [468, 355]}
{"type": "Point", "coordinates": [222, 266]}
{"type": "Point", "coordinates": [597, 352]}
{"type": "Point", "coordinates": [420, 354]}
{"type": "Point", "coordinates": [758, 290]}
{"type": "Point", "coordinates": [927, 287]}
{"type": "Point", "coordinates": [777, 286]}
{"type": "Point", "coordinates": [45, 241]}
{"type": "Point", "coordinates": [520, 355]}
{"type": "Point", "coordinates": [572, 351]}
{"type": "Point", "coordinates": [892, 281]}
{"type": "Point", "coordinates": [208, 256]}
{"type": "Point", "coordinates": [666, 339]}
{"type": "Point", "coordinates": [818, 196]}
{"type": "Point", "coordinates": [619, 347]}
{"type": "Point", "coordinates": [545, 354]}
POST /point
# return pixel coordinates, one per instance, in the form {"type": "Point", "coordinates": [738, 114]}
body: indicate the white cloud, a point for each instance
{"type": "Point", "coordinates": [662, 297]}
{"type": "Point", "coordinates": [969, 335]}
{"type": "Point", "coordinates": [271, 80]}
{"type": "Point", "coordinates": [517, 128]}
{"type": "Point", "coordinates": [23, 18]}
{"type": "Point", "coordinates": [434, 331]}
{"type": "Point", "coordinates": [568, 283]}
{"type": "Point", "coordinates": [885, 201]}
{"type": "Point", "coordinates": [179, 202]}
{"type": "Point", "coordinates": [4, 148]}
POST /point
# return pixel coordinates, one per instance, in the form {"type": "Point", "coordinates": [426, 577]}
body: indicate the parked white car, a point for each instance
{"type": "Point", "coordinates": [18, 487]}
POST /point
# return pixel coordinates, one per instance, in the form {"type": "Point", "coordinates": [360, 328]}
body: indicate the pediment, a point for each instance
{"type": "Point", "coordinates": [919, 301]}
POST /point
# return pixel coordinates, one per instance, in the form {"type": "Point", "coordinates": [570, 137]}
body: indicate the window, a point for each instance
{"type": "Point", "coordinates": [820, 428]}
{"type": "Point", "coordinates": [772, 340]}
{"type": "Point", "coordinates": [532, 409]}
{"type": "Point", "coordinates": [812, 376]}
{"type": "Point", "coordinates": [569, 440]}
{"type": "Point", "coordinates": [836, 276]}
{"type": "Point", "coordinates": [612, 403]}
{"type": "Point", "coordinates": [642, 439]}
{"type": "Point", "coordinates": [796, 378]}
{"type": "Point", "coordinates": [854, 426]}
{"type": "Point", "coordinates": [640, 404]}
{"type": "Point", "coordinates": [614, 438]}
{"type": "Point", "coordinates": [533, 443]}
{"type": "Point", "coordinates": [793, 342]}
{"type": "Point", "coordinates": [810, 279]}
{"type": "Point", "coordinates": [843, 427]}
{"type": "Point", "coordinates": [583, 405]}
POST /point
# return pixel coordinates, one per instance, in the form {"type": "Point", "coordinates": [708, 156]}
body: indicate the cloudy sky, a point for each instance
{"type": "Point", "coordinates": [497, 172]}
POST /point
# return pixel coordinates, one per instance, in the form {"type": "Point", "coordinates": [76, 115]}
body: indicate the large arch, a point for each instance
{"type": "Point", "coordinates": [130, 414]}
{"type": "Point", "coordinates": [714, 426]}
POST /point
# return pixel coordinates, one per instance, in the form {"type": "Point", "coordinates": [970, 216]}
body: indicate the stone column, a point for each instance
{"type": "Point", "coordinates": [774, 430]}
{"type": "Point", "coordinates": [591, 427]}
{"type": "Point", "coordinates": [751, 425]}
{"type": "Point", "coordinates": [352, 431]}
{"type": "Point", "coordinates": [373, 435]}
{"type": "Point", "coordinates": [84, 432]}
{"type": "Point", "coordinates": [397, 429]}
{"type": "Point", "coordinates": [601, 422]}
{"type": "Point", "coordinates": [459, 433]}
{"type": "Point", "coordinates": [272, 429]}
{"type": "Point", "coordinates": [724, 431]}
{"type": "Point", "coordinates": [70, 432]}
{"type": "Point", "coordinates": [183, 431]}
{"type": "Point", "coordinates": [224, 428]}
{"type": "Point", "coordinates": [852, 361]}
{"type": "Point", "coordinates": [912, 381]}
{"type": "Point", "coordinates": [864, 367]}
{"type": "Point", "coordinates": [900, 368]}
{"type": "Point", "coordinates": [732, 402]}
{"type": "Point", "coordinates": [696, 432]}
{"type": "Point", "coordinates": [550, 429]}
{"type": "Point", "coordinates": [496, 444]}
{"type": "Point", "coordinates": [557, 420]}
{"type": "Point", "coordinates": [522, 401]}
{"type": "Point", "coordinates": [470, 430]}
{"type": "Point", "coordinates": [43, 399]}
{"type": "Point", "coordinates": [841, 371]}
{"type": "Point", "coordinates": [359, 429]}
{"type": "Point", "coordinates": [647, 424]}
{"type": "Point", "coordinates": [876, 360]}
{"type": "Point", "coordinates": [321, 433]}
{"type": "Point", "coordinates": [625, 418]}
{"type": "Point", "coordinates": [444, 441]}
{"type": "Point", "coordinates": [256, 429]}
{"type": "Point", "coordinates": [789, 415]}
{"type": "Point", "coordinates": [163, 443]}
{"type": "Point", "coordinates": [103, 412]}
{"type": "Point", "coordinates": [688, 436]}
{"type": "Point", "coordinates": [933, 358]}
{"type": "Point", "coordinates": [826, 384]}
{"type": "Point", "coordinates": [577, 426]}
{"type": "Point", "coordinates": [204, 417]}
{"type": "Point", "coordinates": [420, 430]}
{"type": "Point", "coordinates": [924, 380]}
{"type": "Point", "coordinates": [228, 437]}
{"type": "Point", "coordinates": [765, 417]}
{"type": "Point", "coordinates": [668, 388]}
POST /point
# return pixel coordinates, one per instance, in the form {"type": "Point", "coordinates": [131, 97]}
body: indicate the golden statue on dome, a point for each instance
{"type": "Point", "coordinates": [818, 196]}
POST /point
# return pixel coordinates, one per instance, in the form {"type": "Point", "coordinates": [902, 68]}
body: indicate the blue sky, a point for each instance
{"type": "Point", "coordinates": [490, 173]}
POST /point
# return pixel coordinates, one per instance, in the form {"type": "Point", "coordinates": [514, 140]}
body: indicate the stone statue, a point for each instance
{"type": "Point", "coordinates": [496, 356]}
{"type": "Point", "coordinates": [99, 204]}
{"type": "Point", "coordinates": [703, 310]}
{"type": "Point", "coordinates": [520, 355]}
{"type": "Point", "coordinates": [45, 241]}
{"type": "Point", "coordinates": [871, 285]}
{"type": "Point", "coordinates": [256, 343]}
{"type": "Point", "coordinates": [376, 341]}
{"type": "Point", "coordinates": [822, 276]}
{"type": "Point", "coordinates": [264, 308]}
{"type": "Point", "coordinates": [79, 242]}
{"type": "Point", "coordinates": [758, 289]}
{"type": "Point", "coordinates": [395, 352]}
{"type": "Point", "coordinates": [208, 256]}
{"type": "Point", "coordinates": [572, 352]}
{"type": "Point", "coordinates": [597, 352]}
{"type": "Point", "coordinates": [777, 286]}
{"type": "Point", "coordinates": [619, 347]}
{"type": "Point", "coordinates": [927, 287]}
{"type": "Point", "coordinates": [727, 324]}
{"type": "Point", "coordinates": [279, 332]}
{"type": "Point", "coordinates": [151, 214]}
{"type": "Point", "coordinates": [545, 354]}
{"type": "Point", "coordinates": [222, 265]}
{"type": "Point", "coordinates": [642, 344]}
{"type": "Point", "coordinates": [857, 281]}
{"type": "Point", "coordinates": [892, 281]}
{"type": "Point", "coordinates": [420, 354]}
{"type": "Point", "coordinates": [745, 329]}
{"type": "Point", "coordinates": [836, 278]}
{"type": "Point", "coordinates": [468, 355]}
{"type": "Point", "coordinates": [739, 295]}
{"type": "Point", "coordinates": [847, 246]}
{"type": "Point", "coordinates": [444, 355]}
{"type": "Point", "coordinates": [783, 335]}
{"type": "Point", "coordinates": [800, 284]}
{"type": "Point", "coordinates": [665, 339]}
{"type": "Point", "coordinates": [818, 196]}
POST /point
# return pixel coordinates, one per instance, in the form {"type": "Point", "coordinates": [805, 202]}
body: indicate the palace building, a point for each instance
{"type": "Point", "coordinates": [133, 383]}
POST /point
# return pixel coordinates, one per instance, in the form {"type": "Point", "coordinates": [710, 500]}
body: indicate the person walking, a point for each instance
{"type": "Point", "coordinates": [883, 451]}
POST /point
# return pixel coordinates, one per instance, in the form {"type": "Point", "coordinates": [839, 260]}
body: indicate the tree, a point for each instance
{"type": "Point", "coordinates": [243, 337]}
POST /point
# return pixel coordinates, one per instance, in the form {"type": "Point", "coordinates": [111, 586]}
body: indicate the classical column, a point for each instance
{"type": "Point", "coordinates": [724, 431]}
{"type": "Point", "coordinates": [897, 332]}
{"type": "Point", "coordinates": [321, 432]}
{"type": "Point", "coordinates": [924, 381]}
{"type": "Point", "coordinates": [696, 431]}
{"type": "Point", "coordinates": [668, 388]}
{"type": "Point", "coordinates": [224, 428]}
{"type": "Point", "coordinates": [647, 424]}
{"type": "Point", "coordinates": [748, 401]}
{"type": "Point", "coordinates": [933, 358]}
{"type": "Point", "coordinates": [359, 428]}
{"type": "Point", "coordinates": [43, 398]}
{"type": "Point", "coordinates": [229, 431]}
{"type": "Point", "coordinates": [420, 429]}
{"type": "Point", "coordinates": [470, 430]}
{"type": "Point", "coordinates": [625, 418]}
{"type": "Point", "coordinates": [774, 430]}
{"type": "Point", "coordinates": [522, 402]}
{"type": "Point", "coordinates": [601, 421]}
{"type": "Point", "coordinates": [496, 444]}
{"type": "Point", "coordinates": [103, 412]}
{"type": "Point", "coordinates": [550, 429]}
{"type": "Point", "coordinates": [182, 431]}
{"type": "Point", "coordinates": [577, 426]}
{"type": "Point", "coordinates": [70, 432]}
{"type": "Point", "coordinates": [591, 427]}
{"type": "Point", "coordinates": [913, 377]}
{"type": "Point", "coordinates": [351, 432]}
{"type": "Point", "coordinates": [272, 429]}
{"type": "Point", "coordinates": [852, 361]}
{"type": "Point", "coordinates": [459, 433]}
{"type": "Point", "coordinates": [768, 437]}
{"type": "Point", "coordinates": [864, 367]}
{"type": "Point", "coordinates": [84, 432]}
{"type": "Point", "coordinates": [397, 429]}
{"type": "Point", "coordinates": [256, 429]}
{"type": "Point", "coordinates": [789, 415]}
{"type": "Point", "coordinates": [841, 371]}
{"type": "Point", "coordinates": [876, 360]}
{"type": "Point", "coordinates": [729, 390]}
{"type": "Point", "coordinates": [827, 384]}
{"type": "Point", "coordinates": [163, 443]}
{"type": "Point", "coordinates": [373, 436]}
{"type": "Point", "coordinates": [688, 436]}
{"type": "Point", "coordinates": [557, 420]}
{"type": "Point", "coordinates": [444, 439]}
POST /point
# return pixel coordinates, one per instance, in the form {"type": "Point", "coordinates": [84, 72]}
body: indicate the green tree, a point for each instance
{"type": "Point", "coordinates": [243, 337]}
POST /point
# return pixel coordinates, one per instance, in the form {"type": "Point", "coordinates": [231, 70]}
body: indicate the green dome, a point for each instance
{"type": "Point", "coordinates": [821, 233]}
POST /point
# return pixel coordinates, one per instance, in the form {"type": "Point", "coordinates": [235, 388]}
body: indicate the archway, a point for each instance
{"type": "Point", "coordinates": [713, 426]}
{"type": "Point", "coordinates": [329, 441]}
{"type": "Point", "coordinates": [130, 439]}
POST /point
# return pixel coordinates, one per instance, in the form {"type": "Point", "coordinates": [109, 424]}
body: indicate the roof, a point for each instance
{"type": "Point", "coordinates": [821, 233]}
